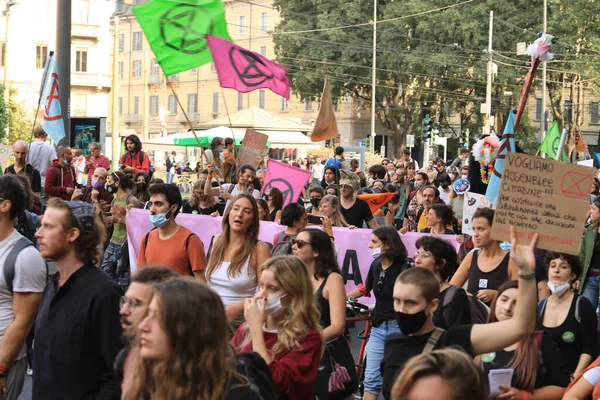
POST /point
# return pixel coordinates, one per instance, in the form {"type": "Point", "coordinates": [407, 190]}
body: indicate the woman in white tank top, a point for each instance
{"type": "Point", "coordinates": [236, 256]}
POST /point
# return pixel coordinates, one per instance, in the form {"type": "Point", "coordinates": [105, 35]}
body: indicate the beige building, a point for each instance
{"type": "Point", "coordinates": [32, 35]}
{"type": "Point", "coordinates": [199, 91]}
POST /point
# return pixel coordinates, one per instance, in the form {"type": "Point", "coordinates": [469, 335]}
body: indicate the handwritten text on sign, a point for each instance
{"type": "Point", "coordinates": [544, 196]}
{"type": "Point", "coordinates": [254, 145]}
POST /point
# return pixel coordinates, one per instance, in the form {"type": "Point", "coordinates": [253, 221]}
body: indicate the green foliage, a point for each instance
{"type": "Point", "coordinates": [17, 116]}
{"type": "Point", "coordinates": [430, 63]}
{"type": "Point", "coordinates": [4, 117]}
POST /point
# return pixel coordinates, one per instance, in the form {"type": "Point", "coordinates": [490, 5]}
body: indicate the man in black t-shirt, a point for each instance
{"type": "Point", "coordinates": [416, 293]}
{"type": "Point", "coordinates": [355, 211]}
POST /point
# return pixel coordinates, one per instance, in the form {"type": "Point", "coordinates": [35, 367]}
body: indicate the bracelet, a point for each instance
{"type": "Point", "coordinates": [525, 395]}
{"type": "Point", "coordinates": [527, 276]}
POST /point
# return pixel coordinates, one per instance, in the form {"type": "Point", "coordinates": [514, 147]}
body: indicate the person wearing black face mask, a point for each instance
{"type": "Point", "coordinates": [416, 298]}
{"type": "Point", "coordinates": [444, 188]}
{"type": "Point", "coordinates": [315, 193]}
{"type": "Point", "coordinates": [140, 189]}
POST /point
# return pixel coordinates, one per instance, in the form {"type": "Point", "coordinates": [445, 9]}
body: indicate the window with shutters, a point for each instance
{"type": "Point", "coordinates": [153, 105]}
{"type": "Point", "coordinates": [261, 98]}
{"type": "Point", "coordinates": [136, 105]}
{"type": "Point", "coordinates": [137, 41]}
{"type": "Point", "coordinates": [263, 22]}
{"type": "Point", "coordinates": [192, 105]}
{"type": "Point", "coordinates": [284, 104]}
{"type": "Point", "coordinates": [215, 103]}
{"type": "Point", "coordinates": [121, 42]}
{"type": "Point", "coordinates": [81, 61]}
{"type": "Point", "coordinates": [172, 105]}
{"type": "Point", "coordinates": [240, 101]}
{"type": "Point", "coordinates": [263, 51]}
{"type": "Point", "coordinates": [120, 106]}
{"type": "Point", "coordinates": [120, 65]}
{"type": "Point", "coordinates": [136, 68]}
{"type": "Point", "coordinates": [41, 54]}
{"type": "Point", "coordinates": [594, 112]}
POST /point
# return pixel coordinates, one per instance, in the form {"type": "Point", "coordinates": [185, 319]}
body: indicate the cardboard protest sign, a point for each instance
{"type": "Point", "coordinates": [472, 202]}
{"type": "Point", "coordinates": [544, 196]}
{"type": "Point", "coordinates": [5, 152]}
{"type": "Point", "coordinates": [254, 145]}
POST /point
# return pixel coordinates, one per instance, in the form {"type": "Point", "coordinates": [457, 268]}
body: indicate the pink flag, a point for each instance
{"type": "Point", "coordinates": [245, 70]}
{"type": "Point", "coordinates": [290, 180]}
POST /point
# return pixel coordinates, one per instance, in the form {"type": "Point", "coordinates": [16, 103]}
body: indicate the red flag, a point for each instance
{"type": "Point", "coordinates": [245, 70]}
{"type": "Point", "coordinates": [376, 200]}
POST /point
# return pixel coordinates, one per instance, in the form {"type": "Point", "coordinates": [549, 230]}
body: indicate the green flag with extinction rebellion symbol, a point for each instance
{"type": "Point", "coordinates": [176, 31]}
{"type": "Point", "coordinates": [551, 143]}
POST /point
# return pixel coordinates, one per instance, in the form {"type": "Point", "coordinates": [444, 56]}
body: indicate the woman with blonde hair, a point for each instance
{"type": "Point", "coordinates": [236, 256]}
{"type": "Point", "coordinates": [163, 349]}
{"type": "Point", "coordinates": [282, 326]}
{"type": "Point", "coordinates": [330, 207]}
{"type": "Point", "coordinates": [447, 374]}
{"type": "Point", "coordinates": [199, 202]}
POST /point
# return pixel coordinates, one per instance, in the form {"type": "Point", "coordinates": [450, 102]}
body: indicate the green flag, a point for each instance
{"type": "Point", "coordinates": [551, 143]}
{"type": "Point", "coordinates": [176, 31]}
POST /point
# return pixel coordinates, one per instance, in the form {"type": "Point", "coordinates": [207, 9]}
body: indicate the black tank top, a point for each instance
{"type": "Point", "coordinates": [479, 280]}
{"type": "Point", "coordinates": [323, 305]}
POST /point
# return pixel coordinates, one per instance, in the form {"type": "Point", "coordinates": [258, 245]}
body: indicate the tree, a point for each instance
{"type": "Point", "coordinates": [19, 118]}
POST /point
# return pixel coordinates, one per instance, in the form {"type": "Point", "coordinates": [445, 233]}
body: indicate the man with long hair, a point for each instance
{"type": "Point", "coordinates": [77, 330]}
{"type": "Point", "coordinates": [22, 280]}
{"type": "Point", "coordinates": [134, 159]}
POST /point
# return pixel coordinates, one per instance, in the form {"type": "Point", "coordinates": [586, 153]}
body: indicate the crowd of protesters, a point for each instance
{"type": "Point", "coordinates": [239, 318]}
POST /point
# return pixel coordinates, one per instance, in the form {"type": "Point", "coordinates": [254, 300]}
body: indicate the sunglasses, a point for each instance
{"type": "Point", "coordinates": [380, 281]}
{"type": "Point", "coordinates": [299, 243]}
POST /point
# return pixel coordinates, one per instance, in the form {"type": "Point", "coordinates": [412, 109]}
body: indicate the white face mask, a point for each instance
{"type": "Point", "coordinates": [559, 288]}
{"type": "Point", "coordinates": [273, 305]}
{"type": "Point", "coordinates": [452, 176]}
{"type": "Point", "coordinates": [464, 176]}
{"type": "Point", "coordinates": [376, 252]}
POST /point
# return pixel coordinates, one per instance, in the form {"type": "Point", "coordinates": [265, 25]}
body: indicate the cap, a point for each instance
{"type": "Point", "coordinates": [83, 213]}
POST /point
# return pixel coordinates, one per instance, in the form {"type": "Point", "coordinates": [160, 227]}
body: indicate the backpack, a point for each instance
{"type": "Point", "coordinates": [11, 259]}
{"type": "Point", "coordinates": [141, 154]}
{"type": "Point", "coordinates": [283, 247]}
{"type": "Point", "coordinates": [542, 306]}
{"type": "Point", "coordinates": [187, 243]}
{"type": "Point", "coordinates": [478, 310]}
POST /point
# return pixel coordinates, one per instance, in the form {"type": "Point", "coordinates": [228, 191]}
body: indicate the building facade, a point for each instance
{"type": "Point", "coordinates": [32, 35]}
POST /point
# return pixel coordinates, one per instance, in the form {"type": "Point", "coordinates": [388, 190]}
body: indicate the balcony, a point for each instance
{"type": "Point", "coordinates": [90, 79]}
{"type": "Point", "coordinates": [194, 117]}
{"type": "Point", "coordinates": [84, 31]}
{"type": "Point", "coordinates": [154, 79]}
{"type": "Point", "coordinates": [133, 117]}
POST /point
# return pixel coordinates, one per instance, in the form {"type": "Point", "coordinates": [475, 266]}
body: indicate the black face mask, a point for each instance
{"type": "Point", "coordinates": [444, 185]}
{"type": "Point", "coordinates": [315, 202]}
{"type": "Point", "coordinates": [410, 323]}
{"type": "Point", "coordinates": [265, 197]}
{"type": "Point", "coordinates": [141, 187]}
{"type": "Point", "coordinates": [112, 189]}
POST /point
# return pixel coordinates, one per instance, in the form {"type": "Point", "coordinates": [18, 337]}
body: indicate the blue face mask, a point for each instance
{"type": "Point", "coordinates": [159, 220]}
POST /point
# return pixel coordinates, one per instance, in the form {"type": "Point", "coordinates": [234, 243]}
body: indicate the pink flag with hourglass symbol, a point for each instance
{"type": "Point", "coordinates": [289, 179]}
{"type": "Point", "coordinates": [245, 70]}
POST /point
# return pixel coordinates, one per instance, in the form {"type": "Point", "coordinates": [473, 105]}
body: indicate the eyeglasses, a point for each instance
{"type": "Point", "coordinates": [423, 254]}
{"type": "Point", "coordinates": [380, 281]}
{"type": "Point", "coordinates": [132, 304]}
{"type": "Point", "coordinates": [299, 243]}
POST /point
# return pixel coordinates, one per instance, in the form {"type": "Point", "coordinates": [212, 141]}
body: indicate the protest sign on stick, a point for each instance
{"type": "Point", "coordinates": [544, 196]}
{"type": "Point", "coordinates": [254, 145]}
{"type": "Point", "coordinates": [5, 152]}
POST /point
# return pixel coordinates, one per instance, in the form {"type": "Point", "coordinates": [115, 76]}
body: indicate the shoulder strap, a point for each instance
{"type": "Point", "coordinates": [11, 259]}
{"type": "Point", "coordinates": [141, 157]}
{"type": "Point", "coordinates": [187, 243]}
{"type": "Point", "coordinates": [577, 315]}
{"type": "Point", "coordinates": [147, 236]}
{"type": "Point", "coordinates": [230, 190]}
{"type": "Point", "coordinates": [126, 157]}
{"type": "Point", "coordinates": [432, 341]}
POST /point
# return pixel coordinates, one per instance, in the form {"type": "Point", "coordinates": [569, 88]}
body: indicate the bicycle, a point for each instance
{"type": "Point", "coordinates": [355, 312]}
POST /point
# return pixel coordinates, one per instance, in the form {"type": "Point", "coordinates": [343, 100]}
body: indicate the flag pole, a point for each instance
{"type": "Point", "coordinates": [191, 127]}
{"type": "Point", "coordinates": [42, 86]}
{"type": "Point", "coordinates": [559, 151]}
{"type": "Point", "coordinates": [229, 118]}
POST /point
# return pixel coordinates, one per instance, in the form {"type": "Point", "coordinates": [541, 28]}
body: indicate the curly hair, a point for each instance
{"type": "Point", "coordinates": [443, 253]}
{"type": "Point", "coordinates": [194, 321]}
{"type": "Point", "coordinates": [86, 245]}
{"type": "Point", "coordinates": [301, 314]}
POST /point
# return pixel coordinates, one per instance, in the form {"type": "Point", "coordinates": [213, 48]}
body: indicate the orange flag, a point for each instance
{"type": "Point", "coordinates": [325, 125]}
{"type": "Point", "coordinates": [377, 200]}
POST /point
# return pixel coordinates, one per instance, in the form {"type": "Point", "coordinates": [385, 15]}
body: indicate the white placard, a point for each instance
{"type": "Point", "coordinates": [472, 202]}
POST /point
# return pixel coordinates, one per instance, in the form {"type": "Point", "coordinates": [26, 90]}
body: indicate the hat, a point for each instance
{"type": "Point", "coordinates": [83, 213]}
{"type": "Point", "coordinates": [349, 178]}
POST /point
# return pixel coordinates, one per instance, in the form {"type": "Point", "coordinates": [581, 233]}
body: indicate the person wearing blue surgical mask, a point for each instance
{"type": "Point", "coordinates": [171, 244]}
{"type": "Point", "coordinates": [390, 260]}
{"type": "Point", "coordinates": [282, 326]}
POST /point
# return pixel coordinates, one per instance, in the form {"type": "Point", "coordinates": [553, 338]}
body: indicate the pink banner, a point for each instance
{"type": "Point", "coordinates": [290, 180]}
{"type": "Point", "coordinates": [245, 70]}
{"type": "Point", "coordinates": [354, 258]}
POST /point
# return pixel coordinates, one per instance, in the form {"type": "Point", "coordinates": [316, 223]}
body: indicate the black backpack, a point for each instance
{"type": "Point", "coordinates": [254, 367]}
{"type": "Point", "coordinates": [478, 310]}
{"type": "Point", "coordinates": [141, 155]}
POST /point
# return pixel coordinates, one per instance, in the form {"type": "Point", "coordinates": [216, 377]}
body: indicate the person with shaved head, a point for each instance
{"type": "Point", "coordinates": [22, 167]}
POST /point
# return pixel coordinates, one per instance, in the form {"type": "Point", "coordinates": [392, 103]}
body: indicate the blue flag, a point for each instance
{"type": "Point", "coordinates": [53, 122]}
{"type": "Point", "coordinates": [507, 144]}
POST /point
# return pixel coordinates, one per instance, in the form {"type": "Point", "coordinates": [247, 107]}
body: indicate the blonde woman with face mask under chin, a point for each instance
{"type": "Point", "coordinates": [282, 326]}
